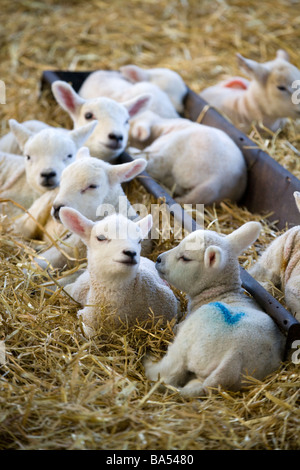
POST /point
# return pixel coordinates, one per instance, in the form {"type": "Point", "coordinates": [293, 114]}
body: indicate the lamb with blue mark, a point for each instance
{"type": "Point", "coordinates": [225, 335]}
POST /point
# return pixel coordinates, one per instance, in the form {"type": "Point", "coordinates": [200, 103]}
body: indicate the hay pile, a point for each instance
{"type": "Point", "coordinates": [58, 390]}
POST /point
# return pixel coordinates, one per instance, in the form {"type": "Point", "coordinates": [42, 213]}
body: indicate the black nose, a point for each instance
{"type": "Point", "coordinates": [158, 260]}
{"type": "Point", "coordinates": [48, 174]}
{"type": "Point", "coordinates": [56, 210]}
{"type": "Point", "coordinates": [116, 137]}
{"type": "Point", "coordinates": [130, 254]}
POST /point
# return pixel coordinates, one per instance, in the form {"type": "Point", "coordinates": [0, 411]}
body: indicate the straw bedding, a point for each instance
{"type": "Point", "coordinates": [59, 390]}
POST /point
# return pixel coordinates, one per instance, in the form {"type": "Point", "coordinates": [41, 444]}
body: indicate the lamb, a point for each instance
{"type": "Point", "coordinates": [46, 153]}
{"type": "Point", "coordinates": [280, 265]}
{"type": "Point", "coordinates": [167, 80]}
{"type": "Point", "coordinates": [225, 333]}
{"type": "Point", "coordinates": [117, 277]}
{"type": "Point", "coordinates": [113, 85]}
{"type": "Point", "coordinates": [110, 136]}
{"type": "Point", "coordinates": [266, 99]}
{"type": "Point", "coordinates": [202, 163]}
{"type": "Point", "coordinates": [86, 185]}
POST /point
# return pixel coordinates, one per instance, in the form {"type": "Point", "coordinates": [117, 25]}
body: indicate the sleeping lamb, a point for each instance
{"type": "Point", "coordinates": [200, 164]}
{"type": "Point", "coordinates": [225, 334]}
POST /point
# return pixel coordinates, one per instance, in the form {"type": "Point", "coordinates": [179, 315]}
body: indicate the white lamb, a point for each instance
{"type": "Point", "coordinates": [117, 278]}
{"type": "Point", "coordinates": [201, 164]}
{"type": "Point", "coordinates": [85, 185]}
{"type": "Point", "coordinates": [225, 334]}
{"type": "Point", "coordinates": [110, 136]}
{"type": "Point", "coordinates": [167, 80]}
{"type": "Point", "coordinates": [114, 86]}
{"type": "Point", "coordinates": [266, 99]}
{"type": "Point", "coordinates": [46, 153]}
{"type": "Point", "coordinates": [280, 265]}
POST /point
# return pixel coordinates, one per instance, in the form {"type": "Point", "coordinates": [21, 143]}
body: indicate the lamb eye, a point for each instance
{"type": "Point", "coordinates": [28, 157]}
{"type": "Point", "coordinates": [184, 258]}
{"type": "Point", "coordinates": [93, 186]}
{"type": "Point", "coordinates": [101, 238]}
{"type": "Point", "coordinates": [88, 115]}
{"type": "Point", "coordinates": [281, 88]}
{"type": "Point", "coordinates": [70, 155]}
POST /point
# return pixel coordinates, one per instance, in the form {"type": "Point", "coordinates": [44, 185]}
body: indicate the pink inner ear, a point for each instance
{"type": "Point", "coordinates": [137, 106]}
{"type": "Point", "coordinates": [67, 98]}
{"type": "Point", "coordinates": [75, 224]}
{"type": "Point", "coordinates": [236, 83]}
{"type": "Point", "coordinates": [212, 258]}
{"type": "Point", "coordinates": [132, 74]}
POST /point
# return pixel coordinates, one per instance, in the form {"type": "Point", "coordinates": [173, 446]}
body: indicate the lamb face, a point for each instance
{"type": "Point", "coordinates": [89, 182]}
{"type": "Point", "coordinates": [114, 243]}
{"type": "Point", "coordinates": [205, 259]}
{"type": "Point", "coordinates": [274, 80]}
{"type": "Point", "coordinates": [110, 136]}
{"type": "Point", "coordinates": [48, 152]}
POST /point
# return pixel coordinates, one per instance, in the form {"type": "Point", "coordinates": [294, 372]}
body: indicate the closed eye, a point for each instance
{"type": "Point", "coordinates": [102, 238]}
{"type": "Point", "coordinates": [184, 258]}
{"type": "Point", "coordinates": [91, 186]}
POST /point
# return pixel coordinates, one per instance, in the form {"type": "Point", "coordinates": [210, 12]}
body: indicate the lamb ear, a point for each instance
{"type": "Point", "coordinates": [67, 98]}
{"type": "Point", "coordinates": [255, 70]}
{"type": "Point", "coordinates": [281, 54]}
{"type": "Point", "coordinates": [213, 257]}
{"type": "Point", "coordinates": [21, 133]}
{"type": "Point", "coordinates": [83, 152]}
{"type": "Point", "coordinates": [138, 104]}
{"type": "Point", "coordinates": [297, 199]}
{"type": "Point", "coordinates": [244, 236]}
{"type": "Point", "coordinates": [145, 225]}
{"type": "Point", "coordinates": [126, 171]}
{"type": "Point", "coordinates": [134, 74]}
{"type": "Point", "coordinates": [81, 134]}
{"type": "Point", "coordinates": [76, 222]}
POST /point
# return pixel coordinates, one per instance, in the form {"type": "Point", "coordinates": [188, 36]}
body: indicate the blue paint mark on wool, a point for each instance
{"type": "Point", "coordinates": [229, 317]}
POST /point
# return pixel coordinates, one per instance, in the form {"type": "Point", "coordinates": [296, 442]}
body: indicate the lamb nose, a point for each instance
{"type": "Point", "coordinates": [116, 137]}
{"type": "Point", "coordinates": [48, 174]}
{"type": "Point", "coordinates": [56, 210]}
{"type": "Point", "coordinates": [130, 254]}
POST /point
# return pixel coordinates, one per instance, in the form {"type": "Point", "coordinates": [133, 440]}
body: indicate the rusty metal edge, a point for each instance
{"type": "Point", "coordinates": [284, 319]}
{"type": "Point", "coordinates": [270, 187]}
